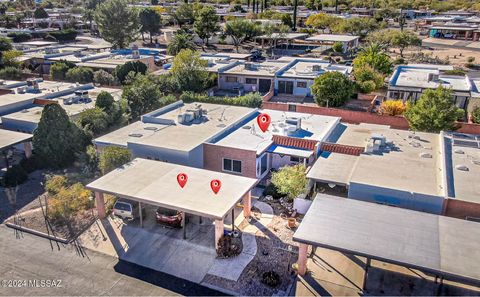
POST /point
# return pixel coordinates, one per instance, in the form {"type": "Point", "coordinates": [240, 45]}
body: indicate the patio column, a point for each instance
{"type": "Point", "coordinates": [302, 259]}
{"type": "Point", "coordinates": [218, 231]}
{"type": "Point", "coordinates": [247, 204]}
{"type": "Point", "coordinates": [27, 146]}
{"type": "Point", "coordinates": [100, 204]}
{"type": "Point", "coordinates": [140, 213]}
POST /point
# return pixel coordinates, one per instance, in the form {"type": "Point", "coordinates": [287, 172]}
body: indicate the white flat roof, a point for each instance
{"type": "Point", "coordinates": [428, 242]}
{"type": "Point", "coordinates": [304, 68]}
{"type": "Point", "coordinates": [174, 135]}
{"type": "Point", "coordinates": [266, 69]}
{"type": "Point", "coordinates": [9, 138]}
{"type": "Point", "coordinates": [155, 182]}
{"type": "Point", "coordinates": [284, 36]}
{"type": "Point", "coordinates": [402, 167]}
{"type": "Point", "coordinates": [416, 77]}
{"type": "Point", "coordinates": [332, 38]}
{"type": "Point", "coordinates": [250, 137]}
{"type": "Point", "coordinates": [333, 168]}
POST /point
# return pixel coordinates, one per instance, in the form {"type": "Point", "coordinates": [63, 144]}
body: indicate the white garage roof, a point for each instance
{"type": "Point", "coordinates": [432, 243]}
{"type": "Point", "coordinates": [155, 182]}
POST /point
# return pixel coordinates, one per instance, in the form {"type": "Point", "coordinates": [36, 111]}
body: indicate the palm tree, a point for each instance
{"type": "Point", "coordinates": [180, 41]}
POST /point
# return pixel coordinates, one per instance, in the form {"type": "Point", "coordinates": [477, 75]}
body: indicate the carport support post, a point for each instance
{"type": "Point", "coordinates": [100, 204]}
{"type": "Point", "coordinates": [184, 225]}
{"type": "Point", "coordinates": [140, 213]}
{"type": "Point", "coordinates": [365, 276]}
{"type": "Point", "coordinates": [218, 231]}
{"type": "Point", "coordinates": [247, 204]}
{"type": "Point", "coordinates": [27, 147]}
{"type": "Point", "coordinates": [302, 258]}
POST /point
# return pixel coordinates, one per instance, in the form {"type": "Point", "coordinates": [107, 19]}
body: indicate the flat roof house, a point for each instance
{"type": "Point", "coordinates": [349, 42]}
{"type": "Point", "coordinates": [406, 169]}
{"type": "Point", "coordinates": [408, 82]}
{"type": "Point", "coordinates": [74, 99]}
{"type": "Point", "coordinates": [176, 133]}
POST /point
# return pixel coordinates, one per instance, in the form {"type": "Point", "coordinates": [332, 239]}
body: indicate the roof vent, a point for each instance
{"type": "Point", "coordinates": [426, 155]}
{"type": "Point", "coordinates": [459, 151]}
{"type": "Point", "coordinates": [151, 128]}
{"type": "Point", "coordinates": [462, 167]}
{"type": "Point", "coordinates": [416, 144]}
{"type": "Point", "coordinates": [476, 161]}
{"type": "Point", "coordinates": [138, 135]}
{"type": "Point", "coordinates": [246, 127]}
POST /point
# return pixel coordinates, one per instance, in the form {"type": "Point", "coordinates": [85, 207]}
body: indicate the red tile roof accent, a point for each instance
{"type": "Point", "coordinates": [307, 144]}
{"type": "Point", "coordinates": [342, 149]}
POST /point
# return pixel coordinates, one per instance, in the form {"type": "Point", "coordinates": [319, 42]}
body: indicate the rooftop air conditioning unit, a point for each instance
{"type": "Point", "coordinates": [433, 77]}
{"type": "Point", "coordinates": [296, 122]}
{"type": "Point", "coordinates": [249, 66]}
{"type": "Point", "coordinates": [316, 68]}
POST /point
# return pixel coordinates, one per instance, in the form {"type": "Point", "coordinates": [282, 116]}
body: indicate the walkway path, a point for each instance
{"type": "Point", "coordinates": [266, 218]}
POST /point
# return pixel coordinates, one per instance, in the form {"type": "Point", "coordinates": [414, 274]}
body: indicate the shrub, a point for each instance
{"type": "Point", "coordinates": [476, 115]}
{"type": "Point", "coordinates": [113, 157]}
{"type": "Point", "coordinates": [399, 61]}
{"type": "Point", "coordinates": [31, 164]}
{"type": "Point", "coordinates": [103, 78]}
{"type": "Point", "coordinates": [49, 37]}
{"type": "Point", "coordinates": [67, 202]}
{"type": "Point", "coordinates": [290, 180]}
{"type": "Point", "coordinates": [59, 70]}
{"type": "Point", "coordinates": [332, 88]}
{"type": "Point", "coordinates": [337, 47]}
{"type": "Point", "coordinates": [11, 73]}
{"type": "Point", "coordinates": [458, 72]}
{"type": "Point", "coordinates": [55, 183]}
{"type": "Point", "coordinates": [104, 100]}
{"type": "Point", "coordinates": [392, 107]}
{"type": "Point", "coordinates": [253, 100]}
{"type": "Point", "coordinates": [470, 59]}
{"type": "Point", "coordinates": [122, 71]}
{"type": "Point", "coordinates": [272, 190]}
{"type": "Point", "coordinates": [14, 176]}
{"type": "Point", "coordinates": [81, 75]}
{"type": "Point", "coordinates": [271, 279]}
{"type": "Point", "coordinates": [225, 247]}
{"type": "Point", "coordinates": [19, 37]}
{"type": "Point", "coordinates": [64, 35]}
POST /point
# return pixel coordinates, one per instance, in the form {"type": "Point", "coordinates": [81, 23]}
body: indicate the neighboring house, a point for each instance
{"type": "Point", "coordinates": [408, 82]}
{"type": "Point", "coordinates": [73, 98]}
{"type": "Point", "coordinates": [287, 75]}
{"type": "Point", "coordinates": [349, 42]}
{"type": "Point", "coordinates": [427, 172]}
{"type": "Point", "coordinates": [223, 138]}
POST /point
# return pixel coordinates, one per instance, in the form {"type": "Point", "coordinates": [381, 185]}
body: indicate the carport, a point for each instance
{"type": "Point", "coordinates": [443, 246]}
{"type": "Point", "coordinates": [155, 183]}
{"type": "Point", "coordinates": [9, 139]}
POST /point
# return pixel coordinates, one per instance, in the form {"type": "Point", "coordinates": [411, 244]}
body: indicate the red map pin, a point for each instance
{"type": "Point", "coordinates": [182, 179]}
{"type": "Point", "coordinates": [215, 185]}
{"type": "Point", "coordinates": [263, 121]}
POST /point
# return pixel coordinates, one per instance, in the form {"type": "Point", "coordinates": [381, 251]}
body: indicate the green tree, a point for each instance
{"type": "Point", "coordinates": [104, 78]}
{"type": "Point", "coordinates": [58, 70]}
{"type": "Point", "coordinates": [142, 95]}
{"type": "Point", "coordinates": [83, 75]}
{"type": "Point", "coordinates": [290, 180]}
{"type": "Point", "coordinates": [476, 115]}
{"type": "Point", "coordinates": [150, 22]}
{"type": "Point", "coordinates": [375, 57]}
{"type": "Point", "coordinates": [93, 120]}
{"type": "Point", "coordinates": [237, 30]}
{"type": "Point", "coordinates": [184, 14]}
{"type": "Point", "coordinates": [434, 111]}
{"type": "Point", "coordinates": [179, 42]}
{"type": "Point", "coordinates": [113, 157]}
{"type": "Point", "coordinates": [40, 13]}
{"type": "Point", "coordinates": [104, 101]}
{"type": "Point", "coordinates": [206, 23]}
{"type": "Point", "coordinates": [117, 22]}
{"type": "Point", "coordinates": [368, 79]}
{"type": "Point", "coordinates": [337, 47]}
{"type": "Point", "coordinates": [11, 73]}
{"type": "Point", "coordinates": [189, 71]}
{"type": "Point", "coordinates": [89, 11]}
{"type": "Point", "coordinates": [395, 38]}
{"type": "Point", "coordinates": [332, 89]}
{"type": "Point", "coordinates": [122, 71]}
{"type": "Point", "coordinates": [357, 26]}
{"type": "Point", "coordinates": [5, 44]}
{"type": "Point", "coordinates": [56, 139]}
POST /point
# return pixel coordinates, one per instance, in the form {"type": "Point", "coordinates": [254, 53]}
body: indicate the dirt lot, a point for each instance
{"type": "Point", "coordinates": [456, 57]}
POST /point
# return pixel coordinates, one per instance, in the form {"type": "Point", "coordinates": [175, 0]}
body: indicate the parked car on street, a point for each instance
{"type": "Point", "coordinates": [127, 209]}
{"type": "Point", "coordinates": [169, 217]}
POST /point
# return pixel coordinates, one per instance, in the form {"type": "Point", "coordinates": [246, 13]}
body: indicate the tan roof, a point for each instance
{"type": "Point", "coordinates": [9, 138]}
{"type": "Point", "coordinates": [155, 182]}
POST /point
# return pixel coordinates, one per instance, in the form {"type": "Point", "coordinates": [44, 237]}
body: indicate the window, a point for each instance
{"type": "Point", "coordinates": [263, 164]}
{"type": "Point", "coordinates": [295, 159]}
{"type": "Point", "coordinates": [231, 79]}
{"type": "Point", "coordinates": [285, 87]}
{"type": "Point", "coordinates": [232, 165]}
{"type": "Point", "coordinates": [250, 81]}
{"type": "Point", "coordinates": [301, 84]}
{"type": "Point", "coordinates": [292, 107]}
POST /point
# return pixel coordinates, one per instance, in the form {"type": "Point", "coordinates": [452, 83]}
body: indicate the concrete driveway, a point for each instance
{"type": "Point", "coordinates": [156, 247]}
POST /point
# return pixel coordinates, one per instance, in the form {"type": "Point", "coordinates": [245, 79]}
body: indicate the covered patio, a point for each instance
{"type": "Point", "coordinates": [10, 139]}
{"type": "Point", "coordinates": [155, 183]}
{"type": "Point", "coordinates": [442, 246]}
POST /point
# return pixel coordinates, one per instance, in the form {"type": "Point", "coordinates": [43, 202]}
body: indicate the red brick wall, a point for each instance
{"type": "Point", "coordinates": [461, 209]}
{"type": "Point", "coordinates": [213, 158]}
{"type": "Point", "coordinates": [356, 117]}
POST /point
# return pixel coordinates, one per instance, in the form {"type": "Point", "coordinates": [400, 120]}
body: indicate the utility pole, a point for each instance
{"type": "Point", "coordinates": [295, 4]}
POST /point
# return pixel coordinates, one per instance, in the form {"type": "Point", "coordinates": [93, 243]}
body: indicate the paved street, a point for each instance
{"type": "Point", "coordinates": [81, 272]}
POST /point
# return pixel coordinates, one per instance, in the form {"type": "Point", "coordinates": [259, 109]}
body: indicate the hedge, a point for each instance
{"type": "Point", "coordinates": [64, 35]}
{"type": "Point", "coordinates": [253, 100]}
